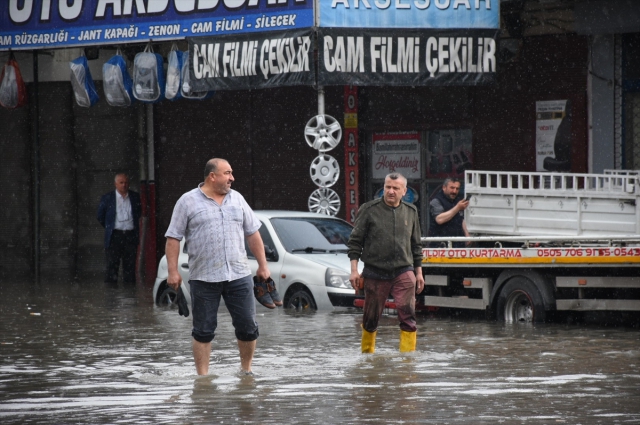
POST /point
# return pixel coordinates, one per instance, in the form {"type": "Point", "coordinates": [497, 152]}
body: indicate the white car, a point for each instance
{"type": "Point", "coordinates": [307, 256]}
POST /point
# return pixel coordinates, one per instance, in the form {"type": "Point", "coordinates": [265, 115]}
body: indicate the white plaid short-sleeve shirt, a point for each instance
{"type": "Point", "coordinates": [214, 234]}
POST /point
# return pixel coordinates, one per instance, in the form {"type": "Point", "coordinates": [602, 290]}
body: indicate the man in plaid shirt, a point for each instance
{"type": "Point", "coordinates": [215, 220]}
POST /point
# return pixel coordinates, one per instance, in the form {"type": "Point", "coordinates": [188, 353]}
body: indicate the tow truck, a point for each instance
{"type": "Point", "coordinates": [543, 242]}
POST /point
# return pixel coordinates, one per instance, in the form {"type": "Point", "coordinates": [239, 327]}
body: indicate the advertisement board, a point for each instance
{"type": "Point", "coordinates": [410, 13]}
{"type": "Point", "coordinates": [250, 61]}
{"type": "Point", "coordinates": [396, 153]}
{"type": "Point", "coordinates": [553, 135]}
{"type": "Point", "coordinates": [31, 24]}
{"type": "Point", "coordinates": [406, 57]}
{"type": "Point", "coordinates": [351, 148]}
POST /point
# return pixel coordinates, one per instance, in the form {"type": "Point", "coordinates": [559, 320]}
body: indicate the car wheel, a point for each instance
{"type": "Point", "coordinates": [168, 296]}
{"type": "Point", "coordinates": [520, 301]}
{"type": "Point", "coordinates": [301, 299]}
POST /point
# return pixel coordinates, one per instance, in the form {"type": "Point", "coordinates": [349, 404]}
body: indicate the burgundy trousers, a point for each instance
{"type": "Point", "coordinates": [403, 291]}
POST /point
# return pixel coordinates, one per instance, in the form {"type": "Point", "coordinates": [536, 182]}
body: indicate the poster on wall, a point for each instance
{"type": "Point", "coordinates": [449, 153]}
{"type": "Point", "coordinates": [553, 135]}
{"type": "Point", "coordinates": [397, 152]}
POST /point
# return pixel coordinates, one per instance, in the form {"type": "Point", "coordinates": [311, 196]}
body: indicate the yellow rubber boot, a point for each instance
{"type": "Point", "coordinates": [407, 341]}
{"type": "Point", "coordinates": [368, 341]}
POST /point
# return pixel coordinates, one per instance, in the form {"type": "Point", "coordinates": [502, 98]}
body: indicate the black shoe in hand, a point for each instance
{"type": "Point", "coordinates": [181, 301]}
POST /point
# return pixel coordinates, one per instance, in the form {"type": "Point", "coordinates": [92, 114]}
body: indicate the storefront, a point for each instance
{"type": "Point", "coordinates": [394, 117]}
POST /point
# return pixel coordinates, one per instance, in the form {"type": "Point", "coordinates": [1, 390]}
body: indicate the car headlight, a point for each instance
{"type": "Point", "coordinates": [337, 278]}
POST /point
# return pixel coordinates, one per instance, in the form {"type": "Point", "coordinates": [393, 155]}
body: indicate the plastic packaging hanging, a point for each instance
{"type": "Point", "coordinates": [82, 83]}
{"type": "Point", "coordinates": [13, 92]}
{"type": "Point", "coordinates": [185, 88]}
{"type": "Point", "coordinates": [148, 76]}
{"type": "Point", "coordinates": [116, 81]}
{"type": "Point", "coordinates": [174, 70]}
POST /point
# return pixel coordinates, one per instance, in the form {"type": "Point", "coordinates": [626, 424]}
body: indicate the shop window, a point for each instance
{"type": "Point", "coordinates": [448, 153]}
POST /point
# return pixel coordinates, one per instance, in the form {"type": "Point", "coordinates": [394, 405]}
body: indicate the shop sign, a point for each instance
{"type": "Point", "coordinates": [351, 148]}
{"type": "Point", "coordinates": [406, 57]}
{"type": "Point", "coordinates": [396, 153]}
{"type": "Point", "coordinates": [410, 13]}
{"type": "Point", "coordinates": [32, 24]}
{"type": "Point", "coordinates": [250, 61]}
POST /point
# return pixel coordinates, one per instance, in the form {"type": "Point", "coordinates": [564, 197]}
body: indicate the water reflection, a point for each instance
{"type": "Point", "coordinates": [98, 354]}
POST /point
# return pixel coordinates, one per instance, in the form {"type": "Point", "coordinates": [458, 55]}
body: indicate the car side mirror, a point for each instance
{"type": "Point", "coordinates": [271, 254]}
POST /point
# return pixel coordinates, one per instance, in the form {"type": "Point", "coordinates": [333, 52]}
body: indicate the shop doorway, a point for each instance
{"type": "Point", "coordinates": [425, 158]}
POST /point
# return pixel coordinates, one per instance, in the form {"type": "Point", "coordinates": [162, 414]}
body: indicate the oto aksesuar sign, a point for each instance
{"type": "Point", "coordinates": [432, 14]}
{"type": "Point", "coordinates": [249, 61]}
{"type": "Point", "coordinates": [406, 57]}
{"type": "Point", "coordinates": [36, 24]}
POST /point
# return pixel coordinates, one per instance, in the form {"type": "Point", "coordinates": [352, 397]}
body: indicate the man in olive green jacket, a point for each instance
{"type": "Point", "coordinates": [386, 237]}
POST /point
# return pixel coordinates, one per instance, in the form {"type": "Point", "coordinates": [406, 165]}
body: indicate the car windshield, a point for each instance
{"type": "Point", "coordinates": [312, 235]}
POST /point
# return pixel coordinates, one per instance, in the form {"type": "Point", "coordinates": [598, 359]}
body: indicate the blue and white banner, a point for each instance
{"type": "Point", "coordinates": [425, 14]}
{"type": "Point", "coordinates": [35, 24]}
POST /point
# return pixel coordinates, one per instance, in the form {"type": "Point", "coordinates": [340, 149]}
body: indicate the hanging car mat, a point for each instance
{"type": "Point", "coordinates": [174, 69]}
{"type": "Point", "coordinates": [148, 76]}
{"type": "Point", "coordinates": [82, 83]}
{"type": "Point", "coordinates": [116, 81]}
{"type": "Point", "coordinates": [13, 92]}
{"type": "Point", "coordinates": [187, 93]}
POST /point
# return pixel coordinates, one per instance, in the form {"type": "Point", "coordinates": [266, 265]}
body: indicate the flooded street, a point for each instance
{"type": "Point", "coordinates": [88, 353]}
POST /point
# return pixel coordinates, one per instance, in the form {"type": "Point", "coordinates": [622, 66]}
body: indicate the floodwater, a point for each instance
{"type": "Point", "coordinates": [89, 353]}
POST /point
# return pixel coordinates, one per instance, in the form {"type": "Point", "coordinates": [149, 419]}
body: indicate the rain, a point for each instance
{"type": "Point", "coordinates": [75, 350]}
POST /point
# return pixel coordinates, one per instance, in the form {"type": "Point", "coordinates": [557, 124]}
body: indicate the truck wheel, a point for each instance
{"type": "Point", "coordinates": [301, 299]}
{"type": "Point", "coordinates": [520, 301]}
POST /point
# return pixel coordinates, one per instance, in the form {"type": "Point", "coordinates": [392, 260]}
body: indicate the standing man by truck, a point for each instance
{"type": "Point", "coordinates": [446, 213]}
{"type": "Point", "coordinates": [386, 236]}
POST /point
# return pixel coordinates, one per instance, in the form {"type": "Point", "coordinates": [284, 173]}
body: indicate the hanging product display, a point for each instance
{"type": "Point", "coordinates": [323, 132]}
{"type": "Point", "coordinates": [148, 76]}
{"type": "Point", "coordinates": [116, 81]}
{"type": "Point", "coordinates": [13, 92]}
{"type": "Point", "coordinates": [84, 89]}
{"type": "Point", "coordinates": [186, 87]}
{"type": "Point", "coordinates": [174, 71]}
{"type": "Point", "coordinates": [324, 170]}
{"type": "Point", "coordinates": [324, 201]}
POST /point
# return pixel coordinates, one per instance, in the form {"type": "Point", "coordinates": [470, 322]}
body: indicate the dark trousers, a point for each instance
{"type": "Point", "coordinates": [239, 299]}
{"type": "Point", "coordinates": [123, 246]}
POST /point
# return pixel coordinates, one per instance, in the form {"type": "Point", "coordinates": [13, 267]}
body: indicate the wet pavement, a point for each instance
{"type": "Point", "coordinates": [88, 353]}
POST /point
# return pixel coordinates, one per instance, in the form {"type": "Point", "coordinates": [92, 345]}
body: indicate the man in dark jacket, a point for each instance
{"type": "Point", "coordinates": [386, 237]}
{"type": "Point", "coordinates": [119, 213]}
{"type": "Point", "coordinates": [446, 213]}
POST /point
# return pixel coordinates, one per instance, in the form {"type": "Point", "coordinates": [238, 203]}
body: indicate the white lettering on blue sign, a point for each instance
{"type": "Point", "coordinates": [408, 4]}
{"type": "Point", "coordinates": [410, 13]}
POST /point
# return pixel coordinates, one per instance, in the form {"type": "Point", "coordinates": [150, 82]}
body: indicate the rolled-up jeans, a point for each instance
{"type": "Point", "coordinates": [403, 291]}
{"type": "Point", "coordinates": [239, 299]}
